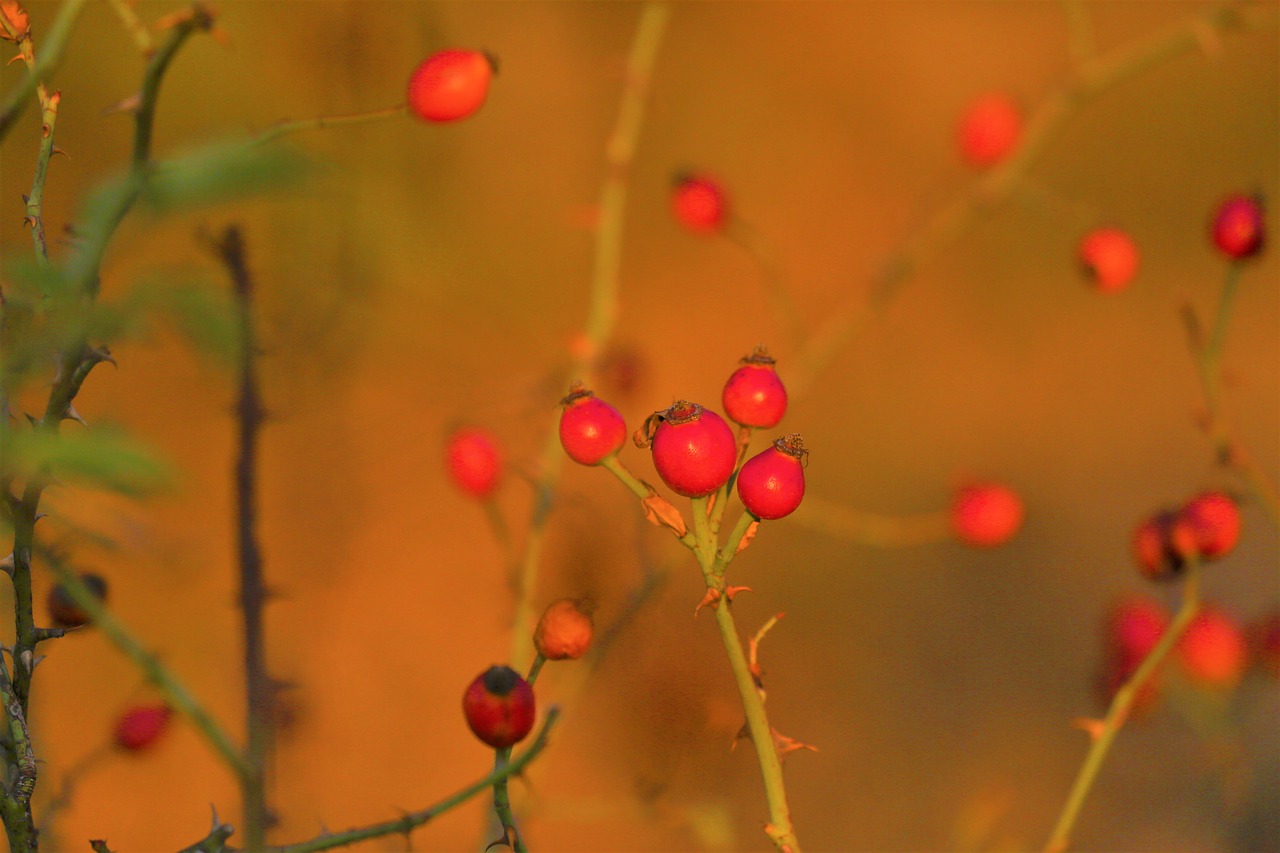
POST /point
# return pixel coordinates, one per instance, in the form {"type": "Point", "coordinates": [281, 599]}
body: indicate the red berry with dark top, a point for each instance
{"type": "Point", "coordinates": [771, 483]}
{"type": "Point", "coordinates": [499, 707]}
{"type": "Point", "coordinates": [1214, 520]}
{"type": "Point", "coordinates": [699, 203]}
{"type": "Point", "coordinates": [450, 85]}
{"type": "Point", "coordinates": [590, 429]}
{"type": "Point", "coordinates": [475, 461]}
{"type": "Point", "coordinates": [989, 129]}
{"type": "Point", "coordinates": [1238, 227]}
{"type": "Point", "coordinates": [986, 514]}
{"type": "Point", "coordinates": [694, 450]}
{"type": "Point", "coordinates": [65, 611]}
{"type": "Point", "coordinates": [1162, 544]}
{"type": "Point", "coordinates": [138, 728]}
{"type": "Point", "coordinates": [754, 396]}
{"type": "Point", "coordinates": [1110, 258]}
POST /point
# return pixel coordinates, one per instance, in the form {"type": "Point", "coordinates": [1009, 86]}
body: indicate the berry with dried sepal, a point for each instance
{"type": "Point", "coordinates": [1238, 227]}
{"type": "Point", "coordinates": [475, 461]}
{"type": "Point", "coordinates": [771, 483]}
{"type": "Point", "coordinates": [1214, 520]}
{"type": "Point", "coordinates": [1109, 258]}
{"type": "Point", "coordinates": [450, 85]}
{"type": "Point", "coordinates": [499, 707]}
{"type": "Point", "coordinates": [754, 396]}
{"type": "Point", "coordinates": [1212, 650]}
{"type": "Point", "coordinates": [699, 203]}
{"type": "Point", "coordinates": [590, 429]}
{"type": "Point", "coordinates": [989, 129]}
{"type": "Point", "coordinates": [564, 632]}
{"type": "Point", "coordinates": [1162, 544]}
{"type": "Point", "coordinates": [65, 611]}
{"type": "Point", "coordinates": [694, 451]}
{"type": "Point", "coordinates": [138, 728]}
{"type": "Point", "coordinates": [986, 514]}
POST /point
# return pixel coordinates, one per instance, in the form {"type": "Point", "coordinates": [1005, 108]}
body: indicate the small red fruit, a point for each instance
{"type": "Point", "coordinates": [138, 728]}
{"type": "Point", "coordinates": [1134, 626]}
{"type": "Point", "coordinates": [989, 129]}
{"type": "Point", "coordinates": [450, 85]}
{"type": "Point", "coordinates": [1162, 544]}
{"type": "Point", "coordinates": [475, 461]}
{"type": "Point", "coordinates": [699, 203]}
{"type": "Point", "coordinates": [986, 514]}
{"type": "Point", "coordinates": [754, 395]}
{"type": "Point", "coordinates": [1212, 650]}
{"type": "Point", "coordinates": [1238, 228]}
{"type": "Point", "coordinates": [590, 429]}
{"type": "Point", "coordinates": [564, 632]}
{"type": "Point", "coordinates": [1264, 643]}
{"type": "Point", "coordinates": [1110, 258]}
{"type": "Point", "coordinates": [771, 483]}
{"type": "Point", "coordinates": [1214, 520]}
{"type": "Point", "coordinates": [499, 707]}
{"type": "Point", "coordinates": [64, 611]}
{"type": "Point", "coordinates": [694, 450]}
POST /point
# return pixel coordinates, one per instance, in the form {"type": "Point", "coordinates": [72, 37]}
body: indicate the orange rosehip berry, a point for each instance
{"type": "Point", "coordinates": [450, 85]}
{"type": "Point", "coordinates": [699, 203]}
{"type": "Point", "coordinates": [1162, 544]}
{"type": "Point", "coordinates": [989, 129]}
{"type": "Point", "coordinates": [1110, 259]}
{"type": "Point", "coordinates": [1214, 520]}
{"type": "Point", "coordinates": [475, 461]}
{"type": "Point", "coordinates": [564, 632]}
{"type": "Point", "coordinates": [986, 514]}
{"type": "Point", "coordinates": [1212, 650]}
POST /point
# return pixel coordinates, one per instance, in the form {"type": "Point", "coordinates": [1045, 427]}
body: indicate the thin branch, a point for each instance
{"type": "Point", "coordinates": [51, 48]}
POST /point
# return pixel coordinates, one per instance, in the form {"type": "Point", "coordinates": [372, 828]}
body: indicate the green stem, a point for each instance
{"type": "Point", "coordinates": [535, 668]}
{"type": "Point", "coordinates": [51, 48]}
{"type": "Point", "coordinates": [286, 128]}
{"type": "Point", "coordinates": [502, 801]}
{"type": "Point", "coordinates": [730, 549]}
{"type": "Point", "coordinates": [15, 798]}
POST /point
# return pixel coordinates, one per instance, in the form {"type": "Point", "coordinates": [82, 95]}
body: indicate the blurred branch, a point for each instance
{"type": "Point", "coordinates": [133, 25]}
{"type": "Point", "coordinates": [51, 48]}
{"type": "Point", "coordinates": [286, 128]}
{"type": "Point", "coordinates": [871, 528]}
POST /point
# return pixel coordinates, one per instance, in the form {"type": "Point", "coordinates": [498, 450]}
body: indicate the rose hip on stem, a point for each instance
{"type": "Point", "coordinates": [986, 514]}
{"type": "Point", "coordinates": [989, 129]}
{"type": "Point", "coordinates": [475, 461]}
{"type": "Point", "coordinates": [771, 483]}
{"type": "Point", "coordinates": [1162, 544]}
{"type": "Point", "coordinates": [564, 632]}
{"type": "Point", "coordinates": [1238, 228]}
{"type": "Point", "coordinates": [698, 203]}
{"type": "Point", "coordinates": [1110, 259]}
{"type": "Point", "coordinates": [499, 707]}
{"type": "Point", "coordinates": [694, 451]}
{"type": "Point", "coordinates": [65, 611]}
{"type": "Point", "coordinates": [1212, 651]}
{"type": "Point", "coordinates": [450, 85]}
{"type": "Point", "coordinates": [1214, 521]}
{"type": "Point", "coordinates": [591, 430]}
{"type": "Point", "coordinates": [754, 396]}
{"type": "Point", "coordinates": [139, 727]}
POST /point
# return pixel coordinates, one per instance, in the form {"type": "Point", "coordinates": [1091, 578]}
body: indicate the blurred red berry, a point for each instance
{"type": "Point", "coordinates": [475, 461]}
{"type": "Point", "coordinates": [1134, 625]}
{"type": "Point", "coordinates": [138, 728]}
{"type": "Point", "coordinates": [590, 429]}
{"type": "Point", "coordinates": [694, 450]}
{"type": "Point", "coordinates": [771, 483]}
{"type": "Point", "coordinates": [564, 632]}
{"type": "Point", "coordinates": [499, 707]}
{"type": "Point", "coordinates": [989, 129]}
{"type": "Point", "coordinates": [986, 514]}
{"type": "Point", "coordinates": [64, 611]}
{"type": "Point", "coordinates": [754, 395]}
{"type": "Point", "coordinates": [1110, 258]}
{"type": "Point", "coordinates": [1162, 544]}
{"type": "Point", "coordinates": [698, 203]}
{"type": "Point", "coordinates": [1264, 642]}
{"type": "Point", "coordinates": [1238, 227]}
{"type": "Point", "coordinates": [1212, 650]}
{"type": "Point", "coordinates": [1214, 520]}
{"type": "Point", "coordinates": [450, 85]}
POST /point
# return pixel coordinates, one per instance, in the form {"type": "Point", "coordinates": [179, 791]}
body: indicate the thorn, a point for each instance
{"type": "Point", "coordinates": [7, 563]}
{"type": "Point", "coordinates": [99, 354]}
{"type": "Point", "coordinates": [711, 599]}
{"type": "Point", "coordinates": [29, 221]}
{"type": "Point", "coordinates": [128, 105]}
{"type": "Point", "coordinates": [53, 481]}
{"type": "Point", "coordinates": [15, 59]}
{"type": "Point", "coordinates": [731, 591]}
{"type": "Point", "coordinates": [216, 822]}
{"type": "Point", "coordinates": [26, 660]}
{"type": "Point", "coordinates": [25, 198]}
{"type": "Point", "coordinates": [36, 662]}
{"type": "Point", "coordinates": [32, 419]}
{"type": "Point", "coordinates": [72, 415]}
{"type": "Point", "coordinates": [57, 150]}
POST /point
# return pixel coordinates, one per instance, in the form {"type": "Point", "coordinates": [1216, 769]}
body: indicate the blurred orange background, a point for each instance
{"type": "Point", "coordinates": [430, 275]}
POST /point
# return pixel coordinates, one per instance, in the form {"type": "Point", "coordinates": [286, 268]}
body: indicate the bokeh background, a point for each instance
{"type": "Point", "coordinates": [425, 276]}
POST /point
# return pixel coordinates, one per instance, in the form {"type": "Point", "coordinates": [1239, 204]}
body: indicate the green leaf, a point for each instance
{"type": "Point", "coordinates": [101, 457]}
{"type": "Point", "coordinates": [221, 171]}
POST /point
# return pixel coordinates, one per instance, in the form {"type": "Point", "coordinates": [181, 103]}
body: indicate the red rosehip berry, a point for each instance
{"type": "Point", "coordinates": [1134, 625]}
{"type": "Point", "coordinates": [499, 707]}
{"type": "Point", "coordinates": [1162, 544]}
{"type": "Point", "coordinates": [64, 611]}
{"type": "Point", "coordinates": [1110, 258]}
{"type": "Point", "coordinates": [698, 203]}
{"type": "Point", "coordinates": [564, 632]}
{"type": "Point", "coordinates": [694, 450]}
{"type": "Point", "coordinates": [450, 85]}
{"type": "Point", "coordinates": [1212, 650]}
{"type": "Point", "coordinates": [590, 429]}
{"type": "Point", "coordinates": [1214, 520]}
{"type": "Point", "coordinates": [989, 129]}
{"type": "Point", "coordinates": [1238, 228]}
{"type": "Point", "coordinates": [986, 514]}
{"type": "Point", "coordinates": [138, 728]}
{"type": "Point", "coordinates": [1264, 643]}
{"type": "Point", "coordinates": [771, 483]}
{"type": "Point", "coordinates": [475, 461]}
{"type": "Point", "coordinates": [754, 395]}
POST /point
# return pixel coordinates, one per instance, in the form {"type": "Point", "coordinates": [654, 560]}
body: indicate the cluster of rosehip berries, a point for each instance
{"type": "Point", "coordinates": [1206, 527]}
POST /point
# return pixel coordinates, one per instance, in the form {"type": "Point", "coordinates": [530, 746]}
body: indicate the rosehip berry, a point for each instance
{"type": "Point", "coordinates": [564, 632]}
{"type": "Point", "coordinates": [986, 514]}
{"type": "Point", "coordinates": [450, 85]}
{"type": "Point", "coordinates": [699, 203]}
{"type": "Point", "coordinates": [590, 429]}
{"type": "Point", "coordinates": [475, 461]}
{"type": "Point", "coordinates": [754, 395]}
{"type": "Point", "coordinates": [1109, 258]}
{"type": "Point", "coordinates": [1237, 228]}
{"type": "Point", "coordinates": [138, 728]}
{"type": "Point", "coordinates": [64, 611]}
{"type": "Point", "coordinates": [1162, 544]}
{"type": "Point", "coordinates": [1133, 627]}
{"type": "Point", "coordinates": [771, 483]}
{"type": "Point", "coordinates": [499, 707]}
{"type": "Point", "coordinates": [989, 129]}
{"type": "Point", "coordinates": [694, 450]}
{"type": "Point", "coordinates": [1214, 520]}
{"type": "Point", "coordinates": [1212, 650]}
{"type": "Point", "coordinates": [1264, 642]}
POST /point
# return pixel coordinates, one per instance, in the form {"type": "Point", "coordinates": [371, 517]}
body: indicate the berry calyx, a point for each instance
{"type": "Point", "coordinates": [1110, 258]}
{"type": "Point", "coordinates": [475, 461]}
{"type": "Point", "coordinates": [499, 707]}
{"type": "Point", "coordinates": [564, 632]}
{"type": "Point", "coordinates": [699, 203]}
{"type": "Point", "coordinates": [1214, 520]}
{"type": "Point", "coordinates": [590, 429]}
{"type": "Point", "coordinates": [1162, 544]}
{"type": "Point", "coordinates": [450, 85]}
{"type": "Point", "coordinates": [754, 396]}
{"type": "Point", "coordinates": [986, 514]}
{"type": "Point", "coordinates": [771, 483]}
{"type": "Point", "coordinates": [65, 611]}
{"type": "Point", "coordinates": [138, 728]}
{"type": "Point", "coordinates": [1238, 228]}
{"type": "Point", "coordinates": [1212, 650]}
{"type": "Point", "coordinates": [694, 450]}
{"type": "Point", "coordinates": [989, 129]}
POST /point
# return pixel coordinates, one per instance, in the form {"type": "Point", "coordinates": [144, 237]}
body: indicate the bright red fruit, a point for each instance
{"type": "Point", "coordinates": [564, 632]}
{"type": "Point", "coordinates": [1212, 650]}
{"type": "Point", "coordinates": [64, 612]}
{"type": "Point", "coordinates": [754, 395]}
{"type": "Point", "coordinates": [699, 203]}
{"type": "Point", "coordinates": [986, 514]}
{"type": "Point", "coordinates": [1238, 228]}
{"type": "Point", "coordinates": [1109, 258]}
{"type": "Point", "coordinates": [771, 483]}
{"type": "Point", "coordinates": [138, 728]}
{"type": "Point", "coordinates": [1162, 544]}
{"type": "Point", "coordinates": [450, 85]}
{"type": "Point", "coordinates": [694, 450]}
{"type": "Point", "coordinates": [1214, 520]}
{"type": "Point", "coordinates": [475, 461]}
{"type": "Point", "coordinates": [989, 129]}
{"type": "Point", "coordinates": [499, 707]}
{"type": "Point", "coordinates": [590, 429]}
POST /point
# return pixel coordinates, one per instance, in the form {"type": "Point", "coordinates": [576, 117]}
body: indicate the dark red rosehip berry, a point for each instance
{"type": "Point", "coordinates": [1134, 626]}
{"type": "Point", "coordinates": [64, 611]}
{"type": "Point", "coordinates": [989, 129]}
{"type": "Point", "coordinates": [499, 707]}
{"type": "Point", "coordinates": [1214, 520]}
{"type": "Point", "coordinates": [771, 483]}
{"type": "Point", "coordinates": [986, 514]}
{"type": "Point", "coordinates": [590, 429]}
{"type": "Point", "coordinates": [1110, 258]}
{"type": "Point", "coordinates": [1238, 228]}
{"type": "Point", "coordinates": [1212, 650]}
{"type": "Point", "coordinates": [475, 461]}
{"type": "Point", "coordinates": [699, 203]}
{"type": "Point", "coordinates": [754, 395]}
{"type": "Point", "coordinates": [450, 85]}
{"type": "Point", "coordinates": [694, 450]}
{"type": "Point", "coordinates": [138, 728]}
{"type": "Point", "coordinates": [1264, 643]}
{"type": "Point", "coordinates": [1162, 544]}
{"type": "Point", "coordinates": [564, 632]}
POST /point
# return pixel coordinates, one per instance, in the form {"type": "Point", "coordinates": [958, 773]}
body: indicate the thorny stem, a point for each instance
{"type": "Point", "coordinates": [51, 48]}
{"type": "Point", "coordinates": [15, 805]}
{"type": "Point", "coordinates": [1121, 703]}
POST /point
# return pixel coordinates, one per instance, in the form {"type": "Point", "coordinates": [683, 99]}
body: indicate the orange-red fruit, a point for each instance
{"type": "Point", "coordinates": [754, 396]}
{"type": "Point", "coordinates": [1238, 228]}
{"type": "Point", "coordinates": [986, 514]}
{"type": "Point", "coordinates": [564, 632]}
{"type": "Point", "coordinates": [694, 450]}
{"type": "Point", "coordinates": [771, 483]}
{"type": "Point", "coordinates": [1133, 627]}
{"type": "Point", "coordinates": [450, 85]}
{"type": "Point", "coordinates": [1162, 544]}
{"type": "Point", "coordinates": [1214, 520]}
{"type": "Point", "coordinates": [989, 129]}
{"type": "Point", "coordinates": [64, 611]}
{"type": "Point", "coordinates": [1212, 650]}
{"type": "Point", "coordinates": [590, 429]}
{"type": "Point", "coordinates": [499, 707]}
{"type": "Point", "coordinates": [138, 728]}
{"type": "Point", "coordinates": [1110, 258]}
{"type": "Point", "coordinates": [699, 203]}
{"type": "Point", "coordinates": [475, 461]}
